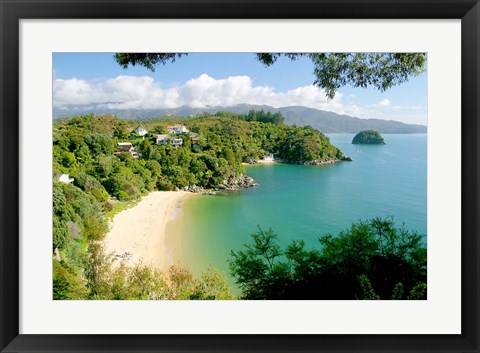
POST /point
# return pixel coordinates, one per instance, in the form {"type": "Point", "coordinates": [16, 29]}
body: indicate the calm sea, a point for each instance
{"type": "Point", "coordinates": [304, 202]}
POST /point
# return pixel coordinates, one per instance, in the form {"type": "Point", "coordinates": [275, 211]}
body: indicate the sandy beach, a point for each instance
{"type": "Point", "coordinates": [263, 161]}
{"type": "Point", "coordinates": [141, 231]}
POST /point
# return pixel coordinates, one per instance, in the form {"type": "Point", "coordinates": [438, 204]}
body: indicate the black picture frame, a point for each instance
{"type": "Point", "coordinates": [12, 11]}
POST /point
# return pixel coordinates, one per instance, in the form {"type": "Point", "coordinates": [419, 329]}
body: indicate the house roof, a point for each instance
{"type": "Point", "coordinates": [124, 143]}
{"type": "Point", "coordinates": [58, 176]}
{"type": "Point", "coordinates": [64, 178]}
{"type": "Point", "coordinates": [126, 148]}
{"type": "Point", "coordinates": [162, 137]}
{"type": "Point", "coordinates": [175, 126]}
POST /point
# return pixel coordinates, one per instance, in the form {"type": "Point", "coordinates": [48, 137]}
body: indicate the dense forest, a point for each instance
{"type": "Point", "coordinates": [107, 178]}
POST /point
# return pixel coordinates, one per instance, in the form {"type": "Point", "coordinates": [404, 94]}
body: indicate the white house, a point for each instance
{"type": "Point", "coordinates": [177, 129]}
{"type": "Point", "coordinates": [140, 130]}
{"type": "Point", "coordinates": [127, 147]}
{"type": "Point", "coordinates": [176, 142]}
{"type": "Point", "coordinates": [269, 157]}
{"type": "Point", "coordinates": [162, 139]}
{"type": "Point", "coordinates": [65, 178]}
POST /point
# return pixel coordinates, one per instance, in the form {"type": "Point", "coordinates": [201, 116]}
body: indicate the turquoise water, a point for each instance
{"type": "Point", "coordinates": [304, 202]}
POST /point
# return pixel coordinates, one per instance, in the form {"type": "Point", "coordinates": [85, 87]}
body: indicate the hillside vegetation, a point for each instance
{"type": "Point", "coordinates": [326, 121]}
{"type": "Point", "coordinates": [107, 179]}
{"type": "Point", "coordinates": [370, 260]}
{"type": "Point", "coordinates": [368, 137]}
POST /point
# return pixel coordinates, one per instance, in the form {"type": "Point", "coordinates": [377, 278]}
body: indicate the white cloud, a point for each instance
{"type": "Point", "coordinates": [143, 92]}
{"type": "Point", "coordinates": [381, 104]}
{"type": "Point", "coordinates": [408, 107]}
{"type": "Point", "coordinates": [384, 103]}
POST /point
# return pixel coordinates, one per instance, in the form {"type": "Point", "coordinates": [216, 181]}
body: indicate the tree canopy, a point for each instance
{"type": "Point", "coordinates": [331, 70]}
{"type": "Point", "coordinates": [372, 259]}
{"type": "Point", "coordinates": [368, 137]}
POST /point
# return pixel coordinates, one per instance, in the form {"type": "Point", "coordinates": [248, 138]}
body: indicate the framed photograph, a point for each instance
{"type": "Point", "coordinates": [231, 176]}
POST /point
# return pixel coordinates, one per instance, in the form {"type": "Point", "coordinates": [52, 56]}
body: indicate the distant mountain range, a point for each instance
{"type": "Point", "coordinates": [325, 121]}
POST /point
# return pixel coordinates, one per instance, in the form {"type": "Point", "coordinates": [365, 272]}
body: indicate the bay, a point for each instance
{"type": "Point", "coordinates": [305, 202]}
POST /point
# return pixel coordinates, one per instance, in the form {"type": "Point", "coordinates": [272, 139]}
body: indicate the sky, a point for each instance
{"type": "Point", "coordinates": [223, 79]}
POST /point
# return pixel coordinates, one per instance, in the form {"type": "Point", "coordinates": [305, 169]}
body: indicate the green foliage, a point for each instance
{"type": "Point", "coordinates": [84, 148]}
{"type": "Point", "coordinates": [368, 137]}
{"type": "Point", "coordinates": [148, 60]}
{"type": "Point", "coordinates": [67, 283]}
{"type": "Point", "coordinates": [60, 233]}
{"type": "Point", "coordinates": [331, 70]}
{"type": "Point", "coordinates": [398, 291]}
{"type": "Point", "coordinates": [212, 285]}
{"type": "Point", "coordinates": [366, 287]}
{"type": "Point", "coordinates": [99, 144]}
{"type": "Point", "coordinates": [419, 292]}
{"type": "Point", "coordinates": [370, 260]}
{"type": "Point", "coordinates": [379, 70]}
{"type": "Point", "coordinates": [108, 280]}
{"type": "Point", "coordinates": [302, 145]}
{"type": "Point", "coordinates": [256, 269]}
{"type": "Point", "coordinates": [236, 139]}
{"type": "Point", "coordinates": [59, 201]}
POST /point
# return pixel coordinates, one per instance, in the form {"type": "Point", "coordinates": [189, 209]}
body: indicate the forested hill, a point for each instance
{"type": "Point", "coordinates": [325, 121]}
{"type": "Point", "coordinates": [209, 151]}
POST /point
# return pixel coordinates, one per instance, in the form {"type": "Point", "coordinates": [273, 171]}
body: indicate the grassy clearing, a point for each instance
{"type": "Point", "coordinates": [119, 206]}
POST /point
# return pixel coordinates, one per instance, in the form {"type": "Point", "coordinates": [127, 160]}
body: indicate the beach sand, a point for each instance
{"type": "Point", "coordinates": [263, 161]}
{"type": "Point", "coordinates": [142, 230]}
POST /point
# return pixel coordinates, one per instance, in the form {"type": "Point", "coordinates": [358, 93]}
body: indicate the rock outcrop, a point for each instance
{"type": "Point", "coordinates": [241, 182]}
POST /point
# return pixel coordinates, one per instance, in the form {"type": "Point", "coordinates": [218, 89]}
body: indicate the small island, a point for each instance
{"type": "Point", "coordinates": [368, 137]}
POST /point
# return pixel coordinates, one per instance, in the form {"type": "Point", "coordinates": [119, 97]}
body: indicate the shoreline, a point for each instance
{"type": "Point", "coordinates": [327, 161]}
{"type": "Point", "coordinates": [147, 233]}
{"type": "Point", "coordinates": [262, 161]}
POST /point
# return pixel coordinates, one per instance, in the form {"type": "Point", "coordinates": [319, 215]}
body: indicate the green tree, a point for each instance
{"type": "Point", "coordinates": [148, 60]}
{"type": "Point", "coordinates": [367, 291]}
{"type": "Point", "coordinates": [419, 292]}
{"type": "Point", "coordinates": [353, 264]}
{"type": "Point", "coordinates": [67, 284]}
{"type": "Point", "coordinates": [60, 233]}
{"type": "Point", "coordinates": [257, 269]}
{"type": "Point", "coordinates": [397, 291]}
{"type": "Point", "coordinates": [331, 70]}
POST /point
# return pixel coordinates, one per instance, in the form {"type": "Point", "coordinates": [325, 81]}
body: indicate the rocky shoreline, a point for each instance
{"type": "Point", "coordinates": [244, 181]}
{"type": "Point", "coordinates": [241, 182]}
{"type": "Point", "coordinates": [314, 162]}
{"type": "Point", "coordinates": [325, 161]}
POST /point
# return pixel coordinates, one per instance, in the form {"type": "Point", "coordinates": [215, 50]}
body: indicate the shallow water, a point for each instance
{"type": "Point", "coordinates": [304, 202]}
